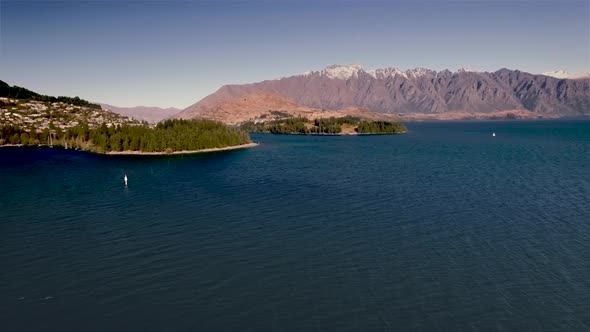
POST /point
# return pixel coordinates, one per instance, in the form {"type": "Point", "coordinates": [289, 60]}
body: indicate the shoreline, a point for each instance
{"type": "Point", "coordinates": [317, 134]}
{"type": "Point", "coordinates": [141, 153]}
{"type": "Point", "coordinates": [12, 145]}
{"type": "Point", "coordinates": [164, 153]}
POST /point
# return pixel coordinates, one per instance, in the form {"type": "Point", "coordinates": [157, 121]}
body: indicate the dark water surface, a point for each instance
{"type": "Point", "coordinates": [444, 228]}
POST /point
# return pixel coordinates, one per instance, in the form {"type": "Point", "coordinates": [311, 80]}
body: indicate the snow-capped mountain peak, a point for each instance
{"type": "Point", "coordinates": [386, 72]}
{"type": "Point", "coordinates": [347, 72]}
{"type": "Point", "coordinates": [336, 71]}
{"type": "Point", "coordinates": [466, 70]}
{"type": "Point", "coordinates": [557, 74]}
{"type": "Point", "coordinates": [419, 72]}
{"type": "Point", "coordinates": [565, 74]}
{"type": "Point", "coordinates": [341, 72]}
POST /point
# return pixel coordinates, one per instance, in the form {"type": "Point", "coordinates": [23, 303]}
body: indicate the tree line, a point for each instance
{"type": "Point", "coordinates": [323, 126]}
{"type": "Point", "coordinates": [380, 127]}
{"type": "Point", "coordinates": [167, 136]}
{"type": "Point", "coordinates": [18, 92]}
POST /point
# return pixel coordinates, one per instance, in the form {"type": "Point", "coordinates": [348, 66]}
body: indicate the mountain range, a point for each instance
{"type": "Point", "coordinates": [414, 93]}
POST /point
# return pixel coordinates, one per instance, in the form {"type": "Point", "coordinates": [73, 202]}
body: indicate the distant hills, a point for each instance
{"type": "Point", "coordinates": [143, 113]}
{"type": "Point", "coordinates": [415, 93]}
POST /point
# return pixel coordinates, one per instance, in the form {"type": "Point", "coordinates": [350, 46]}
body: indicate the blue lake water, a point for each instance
{"type": "Point", "coordinates": [443, 228]}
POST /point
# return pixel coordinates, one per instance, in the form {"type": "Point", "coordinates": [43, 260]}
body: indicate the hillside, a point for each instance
{"type": "Point", "coordinates": [27, 118]}
{"type": "Point", "coordinates": [263, 107]}
{"type": "Point", "coordinates": [31, 111]}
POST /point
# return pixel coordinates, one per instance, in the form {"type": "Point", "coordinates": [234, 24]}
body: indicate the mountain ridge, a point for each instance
{"type": "Point", "coordinates": [416, 91]}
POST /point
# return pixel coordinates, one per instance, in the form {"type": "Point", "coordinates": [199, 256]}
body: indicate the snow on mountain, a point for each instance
{"type": "Point", "coordinates": [347, 72]}
{"type": "Point", "coordinates": [565, 74]}
{"type": "Point", "coordinates": [341, 72]}
{"type": "Point", "coordinates": [419, 72]}
{"type": "Point", "coordinates": [557, 74]}
{"type": "Point", "coordinates": [419, 90]}
{"type": "Point", "coordinates": [344, 72]}
{"type": "Point", "coordinates": [337, 71]}
{"type": "Point", "coordinates": [386, 72]}
{"type": "Point", "coordinates": [579, 75]}
{"type": "Point", "coordinates": [391, 72]}
{"type": "Point", "coordinates": [466, 70]}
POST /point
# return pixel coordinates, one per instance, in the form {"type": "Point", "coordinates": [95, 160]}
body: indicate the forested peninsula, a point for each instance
{"type": "Point", "coordinates": [327, 126]}
{"type": "Point", "coordinates": [31, 119]}
{"type": "Point", "coordinates": [168, 137]}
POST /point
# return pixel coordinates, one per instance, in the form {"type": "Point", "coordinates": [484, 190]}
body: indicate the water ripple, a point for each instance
{"type": "Point", "coordinates": [443, 228]}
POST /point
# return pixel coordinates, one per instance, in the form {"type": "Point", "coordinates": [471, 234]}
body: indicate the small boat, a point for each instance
{"type": "Point", "coordinates": [493, 134]}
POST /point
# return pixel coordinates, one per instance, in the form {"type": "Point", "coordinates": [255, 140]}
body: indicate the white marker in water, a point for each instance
{"type": "Point", "coordinates": [494, 134]}
{"type": "Point", "coordinates": [125, 179]}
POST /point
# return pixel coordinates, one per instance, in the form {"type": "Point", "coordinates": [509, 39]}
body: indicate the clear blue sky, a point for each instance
{"type": "Point", "coordinates": [173, 53]}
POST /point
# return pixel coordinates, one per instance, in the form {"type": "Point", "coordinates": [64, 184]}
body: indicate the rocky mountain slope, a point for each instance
{"type": "Point", "coordinates": [262, 107]}
{"type": "Point", "coordinates": [417, 91]}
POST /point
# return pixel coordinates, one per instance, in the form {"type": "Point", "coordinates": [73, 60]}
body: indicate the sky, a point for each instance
{"type": "Point", "coordinates": [173, 53]}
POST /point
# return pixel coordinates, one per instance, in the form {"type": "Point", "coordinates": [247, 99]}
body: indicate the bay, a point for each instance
{"type": "Point", "coordinates": [443, 228]}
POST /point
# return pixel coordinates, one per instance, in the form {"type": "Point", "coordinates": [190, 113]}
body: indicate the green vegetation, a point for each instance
{"type": "Point", "coordinates": [328, 126]}
{"type": "Point", "coordinates": [28, 118]}
{"type": "Point", "coordinates": [168, 136]}
{"type": "Point", "coordinates": [286, 126]}
{"type": "Point", "coordinates": [380, 127]}
{"type": "Point", "coordinates": [18, 92]}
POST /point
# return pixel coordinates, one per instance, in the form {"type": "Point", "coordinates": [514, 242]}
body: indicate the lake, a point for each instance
{"type": "Point", "coordinates": [442, 228]}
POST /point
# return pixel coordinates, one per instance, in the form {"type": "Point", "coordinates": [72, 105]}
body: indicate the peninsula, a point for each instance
{"type": "Point", "coordinates": [142, 153]}
{"type": "Point", "coordinates": [31, 119]}
{"type": "Point", "coordinates": [168, 137]}
{"type": "Point", "coordinates": [327, 126]}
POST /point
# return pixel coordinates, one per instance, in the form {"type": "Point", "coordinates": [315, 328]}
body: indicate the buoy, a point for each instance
{"type": "Point", "coordinates": [494, 134]}
{"type": "Point", "coordinates": [125, 179]}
